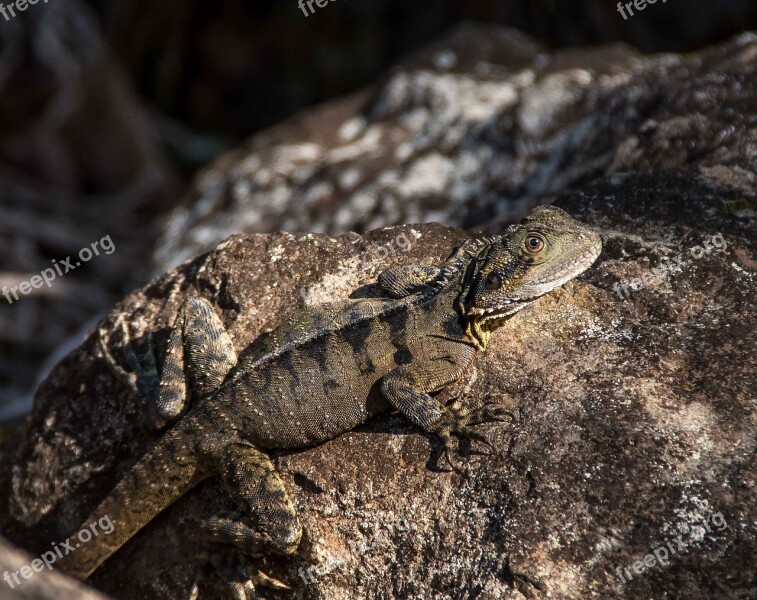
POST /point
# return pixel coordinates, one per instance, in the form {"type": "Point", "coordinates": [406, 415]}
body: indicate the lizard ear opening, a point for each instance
{"type": "Point", "coordinates": [493, 282]}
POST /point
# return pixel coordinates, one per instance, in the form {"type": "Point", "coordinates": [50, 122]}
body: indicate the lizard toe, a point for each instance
{"type": "Point", "coordinates": [265, 580]}
{"type": "Point", "coordinates": [458, 421]}
{"type": "Point", "coordinates": [491, 412]}
{"type": "Point", "coordinates": [242, 591]}
{"type": "Point", "coordinates": [236, 571]}
{"type": "Point", "coordinates": [477, 436]}
{"type": "Point", "coordinates": [447, 450]}
{"type": "Point", "coordinates": [452, 464]}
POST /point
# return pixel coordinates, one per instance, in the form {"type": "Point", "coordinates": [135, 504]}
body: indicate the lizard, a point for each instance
{"type": "Point", "coordinates": [324, 371]}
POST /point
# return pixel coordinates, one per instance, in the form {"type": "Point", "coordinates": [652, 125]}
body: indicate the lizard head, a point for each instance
{"type": "Point", "coordinates": [547, 249]}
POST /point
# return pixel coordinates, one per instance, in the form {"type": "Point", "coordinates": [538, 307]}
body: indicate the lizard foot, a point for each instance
{"type": "Point", "coordinates": [490, 412]}
{"type": "Point", "coordinates": [242, 578]}
{"type": "Point", "coordinates": [458, 420]}
{"type": "Point", "coordinates": [143, 377]}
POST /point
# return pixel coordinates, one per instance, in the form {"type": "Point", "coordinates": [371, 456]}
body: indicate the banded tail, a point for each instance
{"type": "Point", "coordinates": [155, 482]}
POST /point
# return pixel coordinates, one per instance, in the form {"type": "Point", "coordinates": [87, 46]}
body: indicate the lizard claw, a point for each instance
{"type": "Point", "coordinates": [479, 437]}
{"type": "Point", "coordinates": [458, 421]}
{"type": "Point", "coordinates": [491, 412]}
{"type": "Point", "coordinates": [242, 578]}
{"type": "Point", "coordinates": [271, 582]}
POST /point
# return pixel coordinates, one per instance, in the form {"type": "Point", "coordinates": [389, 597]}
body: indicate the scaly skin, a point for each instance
{"type": "Point", "coordinates": [321, 374]}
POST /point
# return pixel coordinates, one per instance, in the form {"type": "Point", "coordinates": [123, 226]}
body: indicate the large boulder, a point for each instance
{"type": "Point", "coordinates": [28, 578]}
{"type": "Point", "coordinates": [480, 126]}
{"type": "Point", "coordinates": [629, 470]}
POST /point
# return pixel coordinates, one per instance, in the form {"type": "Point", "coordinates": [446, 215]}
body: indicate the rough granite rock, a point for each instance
{"type": "Point", "coordinates": [482, 125]}
{"type": "Point", "coordinates": [634, 423]}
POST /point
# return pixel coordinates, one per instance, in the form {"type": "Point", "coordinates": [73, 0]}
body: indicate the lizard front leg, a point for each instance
{"type": "Point", "coordinates": [408, 390]}
{"type": "Point", "coordinates": [402, 281]}
{"type": "Point", "coordinates": [399, 282]}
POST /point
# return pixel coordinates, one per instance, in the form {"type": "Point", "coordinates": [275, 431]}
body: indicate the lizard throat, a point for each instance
{"type": "Point", "coordinates": [480, 327]}
{"type": "Point", "coordinates": [480, 330]}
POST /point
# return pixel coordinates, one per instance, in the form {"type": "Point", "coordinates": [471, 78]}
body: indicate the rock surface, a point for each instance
{"type": "Point", "coordinates": [480, 126]}
{"type": "Point", "coordinates": [634, 424]}
{"type": "Point", "coordinates": [39, 584]}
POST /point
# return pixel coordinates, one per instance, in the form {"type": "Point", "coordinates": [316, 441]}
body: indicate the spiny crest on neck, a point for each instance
{"type": "Point", "coordinates": [469, 251]}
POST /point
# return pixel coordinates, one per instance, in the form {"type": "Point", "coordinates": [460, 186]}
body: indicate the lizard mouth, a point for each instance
{"type": "Point", "coordinates": [495, 313]}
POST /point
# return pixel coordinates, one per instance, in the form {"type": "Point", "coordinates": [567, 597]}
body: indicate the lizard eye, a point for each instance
{"type": "Point", "coordinates": [493, 281]}
{"type": "Point", "coordinates": [534, 244]}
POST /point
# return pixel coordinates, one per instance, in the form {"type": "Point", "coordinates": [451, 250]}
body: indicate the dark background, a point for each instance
{"type": "Point", "coordinates": [232, 67]}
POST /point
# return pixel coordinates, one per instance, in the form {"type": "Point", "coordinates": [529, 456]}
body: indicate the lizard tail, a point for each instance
{"type": "Point", "coordinates": [155, 482]}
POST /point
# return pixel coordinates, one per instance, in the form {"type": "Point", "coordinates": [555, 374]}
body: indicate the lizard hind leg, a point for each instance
{"type": "Point", "coordinates": [199, 352]}
{"type": "Point", "coordinates": [267, 524]}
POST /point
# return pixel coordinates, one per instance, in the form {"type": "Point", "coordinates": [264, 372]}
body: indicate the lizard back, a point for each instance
{"type": "Point", "coordinates": [315, 376]}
